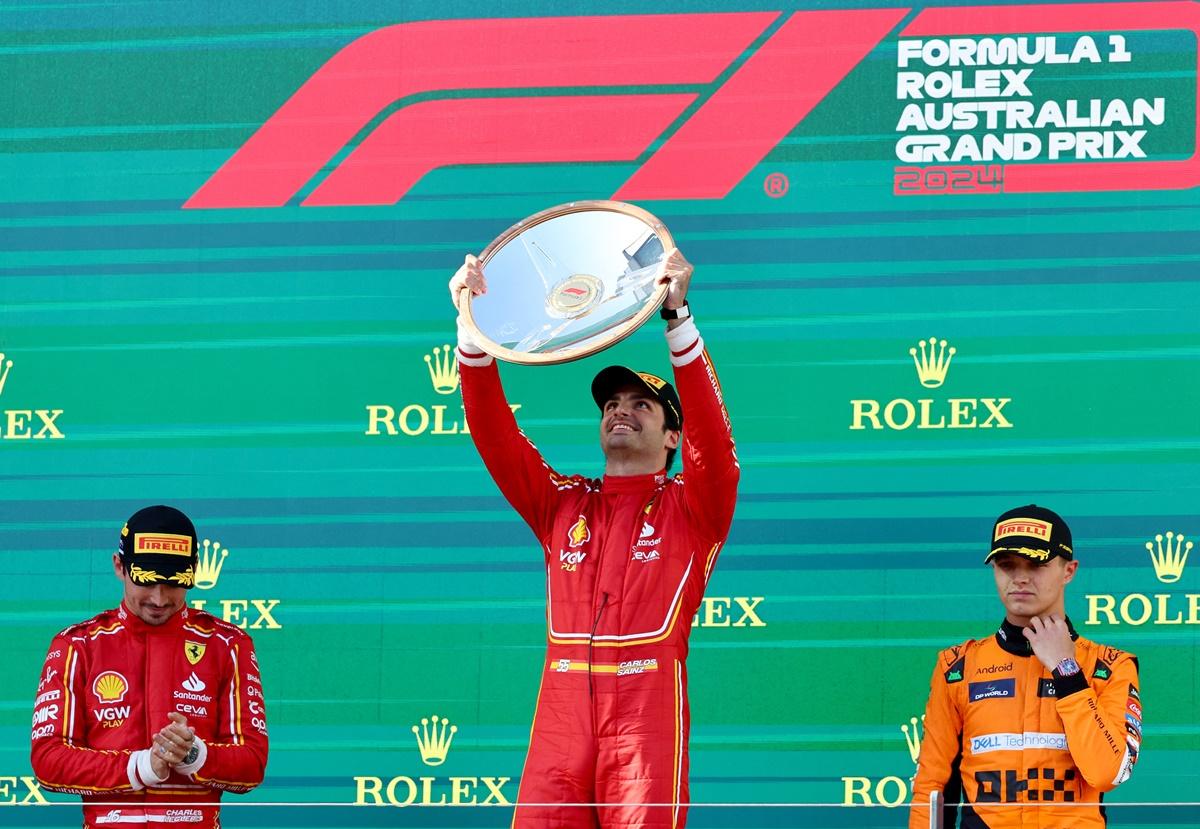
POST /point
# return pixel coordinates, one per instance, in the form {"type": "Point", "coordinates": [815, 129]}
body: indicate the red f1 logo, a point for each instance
{"type": "Point", "coordinates": [805, 57]}
{"type": "Point", "coordinates": [761, 102]}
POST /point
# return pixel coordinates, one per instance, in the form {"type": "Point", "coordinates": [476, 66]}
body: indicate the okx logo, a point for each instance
{"type": "Point", "coordinates": [932, 359]}
{"type": "Point", "coordinates": [255, 614]}
{"type": "Point", "coordinates": [1168, 556]}
{"type": "Point", "coordinates": [434, 736]}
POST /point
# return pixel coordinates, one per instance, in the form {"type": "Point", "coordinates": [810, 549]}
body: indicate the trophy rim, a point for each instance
{"type": "Point", "coordinates": [615, 334]}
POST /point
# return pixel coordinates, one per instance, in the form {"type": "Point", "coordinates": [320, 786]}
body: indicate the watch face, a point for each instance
{"type": "Point", "coordinates": [192, 754]}
{"type": "Point", "coordinates": [1068, 667]}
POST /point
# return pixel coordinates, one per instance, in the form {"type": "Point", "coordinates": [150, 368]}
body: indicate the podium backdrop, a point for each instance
{"type": "Point", "coordinates": [225, 235]}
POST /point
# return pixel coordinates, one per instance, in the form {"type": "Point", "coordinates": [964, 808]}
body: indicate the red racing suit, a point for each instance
{"type": "Point", "coordinates": [1000, 729]}
{"type": "Point", "coordinates": [627, 561]}
{"type": "Point", "coordinates": [105, 691]}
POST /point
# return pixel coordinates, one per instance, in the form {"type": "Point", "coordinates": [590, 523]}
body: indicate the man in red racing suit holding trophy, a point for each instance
{"type": "Point", "coordinates": [628, 557]}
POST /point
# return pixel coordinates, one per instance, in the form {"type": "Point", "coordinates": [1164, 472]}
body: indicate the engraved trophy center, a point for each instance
{"type": "Point", "coordinates": [574, 296]}
{"type": "Point", "coordinates": [568, 282]}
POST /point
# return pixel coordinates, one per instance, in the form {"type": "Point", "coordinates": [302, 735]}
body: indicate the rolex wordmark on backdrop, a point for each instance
{"type": "Point", "coordinates": [892, 790]}
{"type": "Point", "coordinates": [20, 423]}
{"type": "Point", "coordinates": [422, 418]}
{"type": "Point", "coordinates": [252, 614]}
{"type": "Point", "coordinates": [932, 359]}
{"type": "Point", "coordinates": [1168, 554]}
{"type": "Point", "coordinates": [433, 736]}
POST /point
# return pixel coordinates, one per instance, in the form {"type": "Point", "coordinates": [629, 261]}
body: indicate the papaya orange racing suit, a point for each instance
{"type": "Point", "coordinates": [627, 561]}
{"type": "Point", "coordinates": [1001, 730]}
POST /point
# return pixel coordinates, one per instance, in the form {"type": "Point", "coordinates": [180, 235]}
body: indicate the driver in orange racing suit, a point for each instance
{"type": "Point", "coordinates": [1035, 715]}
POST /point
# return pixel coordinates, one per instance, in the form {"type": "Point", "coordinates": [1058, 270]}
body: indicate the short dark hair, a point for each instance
{"type": "Point", "coordinates": [670, 458]}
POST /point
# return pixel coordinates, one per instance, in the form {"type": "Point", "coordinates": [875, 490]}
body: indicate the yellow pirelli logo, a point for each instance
{"type": "Point", "coordinates": [162, 544]}
{"type": "Point", "coordinates": [1023, 526]}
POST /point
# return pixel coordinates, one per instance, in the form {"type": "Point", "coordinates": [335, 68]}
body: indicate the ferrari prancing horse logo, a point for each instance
{"type": "Point", "coordinates": [194, 651]}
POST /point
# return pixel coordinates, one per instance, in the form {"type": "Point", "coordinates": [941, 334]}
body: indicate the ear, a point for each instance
{"type": "Point", "coordinates": [118, 568]}
{"type": "Point", "coordinates": [1069, 571]}
{"type": "Point", "coordinates": [673, 436]}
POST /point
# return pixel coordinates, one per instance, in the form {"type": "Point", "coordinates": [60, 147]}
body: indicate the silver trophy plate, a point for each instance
{"type": "Point", "coordinates": [568, 282]}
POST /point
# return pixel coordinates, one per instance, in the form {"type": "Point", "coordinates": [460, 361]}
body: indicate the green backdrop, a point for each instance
{"type": "Point", "coordinates": [229, 360]}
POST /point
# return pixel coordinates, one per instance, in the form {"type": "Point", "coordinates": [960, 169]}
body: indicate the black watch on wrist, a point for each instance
{"type": "Point", "coordinates": [680, 313]}
{"type": "Point", "coordinates": [192, 754]}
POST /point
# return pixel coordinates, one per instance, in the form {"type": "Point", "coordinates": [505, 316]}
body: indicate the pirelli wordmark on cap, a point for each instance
{"type": "Point", "coordinates": [1023, 526]}
{"type": "Point", "coordinates": [162, 544]}
{"type": "Point", "coordinates": [1033, 532]}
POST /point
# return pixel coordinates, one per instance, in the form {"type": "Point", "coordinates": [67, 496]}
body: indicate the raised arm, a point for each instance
{"type": "Point", "coordinates": [710, 465]}
{"type": "Point", "coordinates": [523, 476]}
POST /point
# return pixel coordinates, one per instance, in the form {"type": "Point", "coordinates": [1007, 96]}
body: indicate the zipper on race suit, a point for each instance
{"type": "Point", "coordinates": [591, 638]}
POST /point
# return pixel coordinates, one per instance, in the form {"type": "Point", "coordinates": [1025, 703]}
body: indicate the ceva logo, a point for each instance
{"type": "Point", "coordinates": [794, 61]}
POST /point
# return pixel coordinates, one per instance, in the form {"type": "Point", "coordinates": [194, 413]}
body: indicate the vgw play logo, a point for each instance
{"type": "Point", "coordinates": [740, 81]}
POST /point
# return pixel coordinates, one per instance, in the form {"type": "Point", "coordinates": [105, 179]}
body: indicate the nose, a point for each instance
{"type": "Point", "coordinates": [158, 594]}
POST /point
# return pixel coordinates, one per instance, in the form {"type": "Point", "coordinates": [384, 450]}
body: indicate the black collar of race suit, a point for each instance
{"type": "Point", "coordinates": [1012, 638]}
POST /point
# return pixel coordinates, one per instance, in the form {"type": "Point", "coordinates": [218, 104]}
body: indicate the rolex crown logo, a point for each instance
{"type": "Point", "coordinates": [912, 736]}
{"type": "Point", "coordinates": [212, 559]}
{"type": "Point", "coordinates": [434, 736]}
{"type": "Point", "coordinates": [443, 369]}
{"type": "Point", "coordinates": [932, 361]}
{"type": "Point", "coordinates": [1169, 558]}
{"type": "Point", "coordinates": [5, 368]}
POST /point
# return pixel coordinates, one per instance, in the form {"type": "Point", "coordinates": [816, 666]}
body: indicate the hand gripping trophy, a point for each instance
{"type": "Point", "coordinates": [628, 555]}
